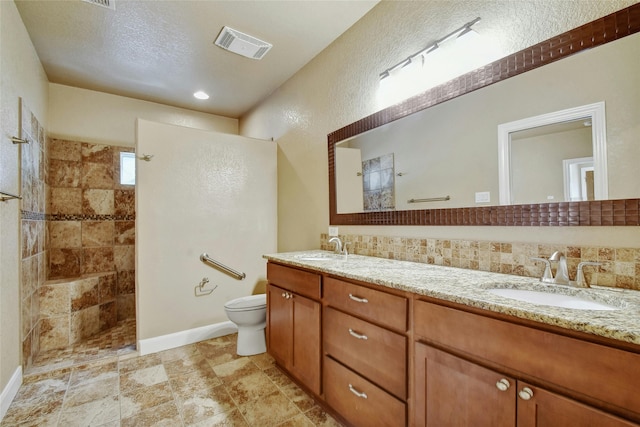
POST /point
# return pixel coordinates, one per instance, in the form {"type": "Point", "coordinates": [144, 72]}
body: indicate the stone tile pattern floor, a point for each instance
{"type": "Point", "coordinates": [117, 341]}
{"type": "Point", "coordinates": [202, 384]}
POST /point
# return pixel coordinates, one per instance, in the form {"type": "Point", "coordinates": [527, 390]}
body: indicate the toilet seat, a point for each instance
{"type": "Point", "coordinates": [253, 302]}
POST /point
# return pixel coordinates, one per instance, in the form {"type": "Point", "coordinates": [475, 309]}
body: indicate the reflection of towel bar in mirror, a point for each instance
{"type": "Point", "coordinates": [398, 174]}
{"type": "Point", "coordinates": [433, 199]}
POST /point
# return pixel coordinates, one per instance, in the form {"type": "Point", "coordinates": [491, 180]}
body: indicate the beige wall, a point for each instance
{"type": "Point", "coordinates": [86, 115]}
{"type": "Point", "coordinates": [339, 86]}
{"type": "Point", "coordinates": [21, 75]}
{"type": "Point", "coordinates": [224, 206]}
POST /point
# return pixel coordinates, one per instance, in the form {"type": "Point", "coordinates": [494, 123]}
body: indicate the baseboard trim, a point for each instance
{"type": "Point", "coordinates": [190, 336]}
{"type": "Point", "coordinates": [10, 391]}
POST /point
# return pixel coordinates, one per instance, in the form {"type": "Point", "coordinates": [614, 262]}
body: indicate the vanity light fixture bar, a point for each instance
{"type": "Point", "coordinates": [433, 199]}
{"type": "Point", "coordinates": [433, 46]}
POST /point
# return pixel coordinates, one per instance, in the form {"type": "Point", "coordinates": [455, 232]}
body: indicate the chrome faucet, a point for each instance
{"type": "Point", "coordinates": [338, 244]}
{"type": "Point", "coordinates": [562, 272]}
{"type": "Point", "coordinates": [341, 248]}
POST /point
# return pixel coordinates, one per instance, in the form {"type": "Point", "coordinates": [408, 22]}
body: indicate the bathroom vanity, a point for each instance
{"type": "Point", "coordinates": [394, 343]}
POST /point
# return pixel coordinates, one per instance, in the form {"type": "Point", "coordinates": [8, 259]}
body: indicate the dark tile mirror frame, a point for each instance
{"type": "Point", "coordinates": [604, 212]}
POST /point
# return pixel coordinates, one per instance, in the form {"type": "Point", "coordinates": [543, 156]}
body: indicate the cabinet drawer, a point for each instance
{"type": "Point", "coordinates": [380, 307]}
{"type": "Point", "coordinates": [359, 401]}
{"type": "Point", "coordinates": [374, 352]}
{"type": "Point", "coordinates": [597, 371]}
{"type": "Point", "coordinates": [299, 281]}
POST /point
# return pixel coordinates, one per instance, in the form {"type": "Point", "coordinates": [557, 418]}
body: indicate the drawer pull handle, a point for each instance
{"type": "Point", "coordinates": [357, 335]}
{"type": "Point", "coordinates": [503, 384]}
{"type": "Point", "coordinates": [358, 299]}
{"type": "Point", "coordinates": [526, 393]}
{"type": "Point", "coordinates": [357, 393]}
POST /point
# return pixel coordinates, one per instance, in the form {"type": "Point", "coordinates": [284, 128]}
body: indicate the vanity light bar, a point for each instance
{"type": "Point", "coordinates": [433, 46]}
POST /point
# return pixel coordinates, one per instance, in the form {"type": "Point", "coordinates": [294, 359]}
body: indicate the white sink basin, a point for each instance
{"type": "Point", "coordinates": [319, 257]}
{"type": "Point", "coordinates": [552, 299]}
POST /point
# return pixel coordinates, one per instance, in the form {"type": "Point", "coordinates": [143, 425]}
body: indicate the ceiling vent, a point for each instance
{"type": "Point", "coordinates": [242, 44]}
{"type": "Point", "coordinates": [109, 4]}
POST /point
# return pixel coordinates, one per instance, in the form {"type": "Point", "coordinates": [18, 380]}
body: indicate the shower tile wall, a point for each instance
{"type": "Point", "coordinates": [33, 230]}
{"type": "Point", "coordinates": [620, 266]}
{"type": "Point", "coordinates": [91, 217]}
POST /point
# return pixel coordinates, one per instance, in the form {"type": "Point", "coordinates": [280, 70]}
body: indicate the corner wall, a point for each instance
{"type": "Point", "coordinates": [21, 75]}
{"type": "Point", "coordinates": [97, 117]}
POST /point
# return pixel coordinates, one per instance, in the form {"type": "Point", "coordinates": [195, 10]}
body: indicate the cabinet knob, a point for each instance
{"type": "Point", "coordinates": [526, 393]}
{"type": "Point", "coordinates": [357, 335]}
{"type": "Point", "coordinates": [503, 384]}
{"type": "Point", "coordinates": [358, 299]}
{"type": "Point", "coordinates": [284, 295]}
{"type": "Point", "coordinates": [357, 393]}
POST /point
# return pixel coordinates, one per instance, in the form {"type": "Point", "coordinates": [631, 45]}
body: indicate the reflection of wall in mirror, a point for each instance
{"type": "Point", "coordinates": [537, 174]}
{"type": "Point", "coordinates": [458, 138]}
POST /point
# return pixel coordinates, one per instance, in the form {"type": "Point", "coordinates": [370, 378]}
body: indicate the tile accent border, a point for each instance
{"type": "Point", "coordinates": [37, 216]}
{"type": "Point", "coordinates": [617, 212]}
{"type": "Point", "coordinates": [620, 266]}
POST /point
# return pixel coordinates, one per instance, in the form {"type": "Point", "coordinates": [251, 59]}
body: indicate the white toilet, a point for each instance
{"type": "Point", "coordinates": [250, 314]}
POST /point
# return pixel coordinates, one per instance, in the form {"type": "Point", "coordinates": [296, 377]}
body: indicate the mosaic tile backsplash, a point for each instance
{"type": "Point", "coordinates": [620, 266]}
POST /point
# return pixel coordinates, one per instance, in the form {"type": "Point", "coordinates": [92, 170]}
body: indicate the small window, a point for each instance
{"type": "Point", "coordinates": [127, 168]}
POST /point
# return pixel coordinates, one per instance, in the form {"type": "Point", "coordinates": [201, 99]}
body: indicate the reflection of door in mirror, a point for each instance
{"type": "Point", "coordinates": [349, 192]}
{"type": "Point", "coordinates": [578, 179]}
{"type": "Point", "coordinates": [538, 157]}
{"type": "Point", "coordinates": [532, 154]}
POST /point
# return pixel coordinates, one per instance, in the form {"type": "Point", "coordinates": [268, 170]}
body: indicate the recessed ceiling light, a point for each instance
{"type": "Point", "coordinates": [201, 95]}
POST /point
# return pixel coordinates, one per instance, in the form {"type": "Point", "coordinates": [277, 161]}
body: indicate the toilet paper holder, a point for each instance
{"type": "Point", "coordinates": [200, 290]}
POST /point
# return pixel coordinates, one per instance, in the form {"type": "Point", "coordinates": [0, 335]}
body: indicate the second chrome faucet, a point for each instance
{"type": "Point", "coordinates": [562, 272]}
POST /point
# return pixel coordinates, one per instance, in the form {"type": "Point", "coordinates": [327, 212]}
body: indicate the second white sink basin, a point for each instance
{"type": "Point", "coordinates": [319, 257]}
{"type": "Point", "coordinates": [551, 299]}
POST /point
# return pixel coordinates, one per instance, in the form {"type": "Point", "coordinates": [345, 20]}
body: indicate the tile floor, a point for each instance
{"type": "Point", "coordinates": [117, 341]}
{"type": "Point", "coordinates": [202, 384]}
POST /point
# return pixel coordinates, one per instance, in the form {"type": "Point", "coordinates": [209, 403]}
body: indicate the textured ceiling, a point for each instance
{"type": "Point", "coordinates": [163, 51]}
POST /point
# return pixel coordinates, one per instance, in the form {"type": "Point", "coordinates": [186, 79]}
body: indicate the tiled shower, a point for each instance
{"type": "Point", "coordinates": [78, 251]}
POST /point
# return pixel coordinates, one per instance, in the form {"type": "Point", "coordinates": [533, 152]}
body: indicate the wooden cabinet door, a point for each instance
{"type": "Point", "coordinates": [306, 357]}
{"type": "Point", "coordinates": [279, 325]}
{"type": "Point", "coordinates": [542, 408]}
{"type": "Point", "coordinates": [450, 391]}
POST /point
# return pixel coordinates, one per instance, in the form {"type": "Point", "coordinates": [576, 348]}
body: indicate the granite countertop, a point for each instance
{"type": "Point", "coordinates": [470, 287]}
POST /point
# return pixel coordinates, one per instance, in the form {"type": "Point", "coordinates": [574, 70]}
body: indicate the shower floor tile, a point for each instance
{"type": "Point", "coordinates": [203, 384]}
{"type": "Point", "coordinates": [117, 341]}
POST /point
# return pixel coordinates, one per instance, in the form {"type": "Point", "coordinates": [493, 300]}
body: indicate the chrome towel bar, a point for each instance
{"type": "Point", "coordinates": [8, 196]}
{"type": "Point", "coordinates": [228, 270]}
{"type": "Point", "coordinates": [433, 199]}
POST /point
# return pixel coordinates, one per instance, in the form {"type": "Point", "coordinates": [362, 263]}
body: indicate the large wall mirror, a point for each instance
{"type": "Point", "coordinates": [558, 144]}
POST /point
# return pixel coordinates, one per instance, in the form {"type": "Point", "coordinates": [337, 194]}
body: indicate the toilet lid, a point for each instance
{"type": "Point", "coordinates": [250, 302]}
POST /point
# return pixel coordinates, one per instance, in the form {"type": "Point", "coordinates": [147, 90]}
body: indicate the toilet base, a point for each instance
{"type": "Point", "coordinates": [251, 341]}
